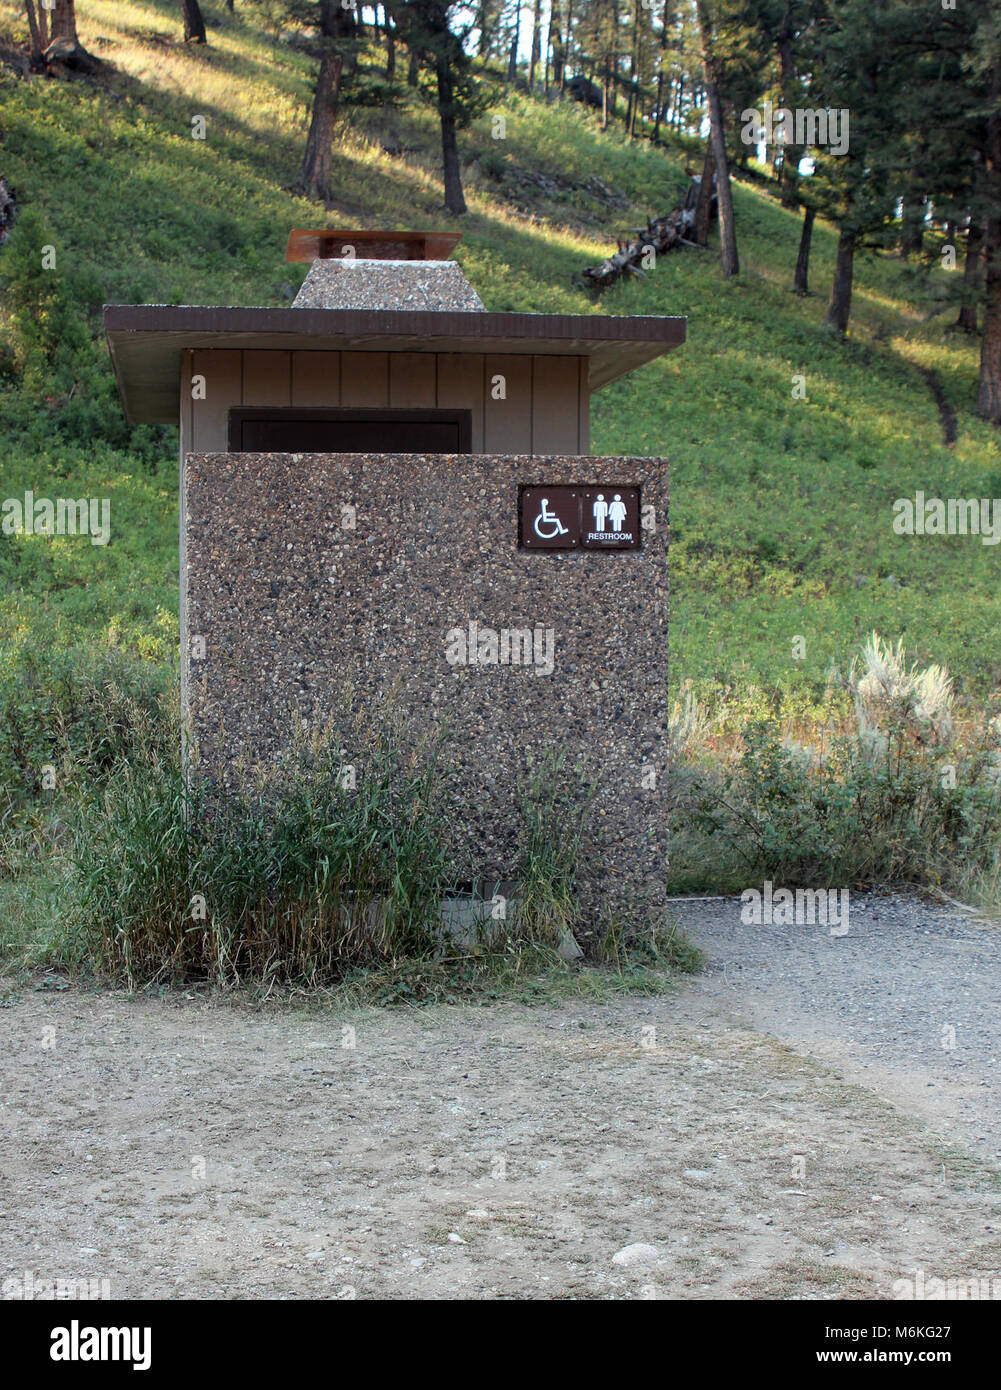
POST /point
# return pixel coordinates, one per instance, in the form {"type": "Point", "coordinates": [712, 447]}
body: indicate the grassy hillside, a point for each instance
{"type": "Point", "coordinates": [780, 506]}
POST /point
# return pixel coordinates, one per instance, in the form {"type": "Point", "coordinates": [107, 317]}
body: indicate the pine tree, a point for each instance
{"type": "Point", "coordinates": [335, 23]}
{"type": "Point", "coordinates": [728, 232]}
{"type": "Point", "coordinates": [860, 69]}
{"type": "Point", "coordinates": [431, 28]}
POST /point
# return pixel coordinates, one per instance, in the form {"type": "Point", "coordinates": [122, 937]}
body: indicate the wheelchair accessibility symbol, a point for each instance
{"type": "Point", "coordinates": [548, 526]}
{"type": "Point", "coordinates": [550, 517]}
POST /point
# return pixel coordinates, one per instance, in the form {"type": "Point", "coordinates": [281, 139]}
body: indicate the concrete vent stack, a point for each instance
{"type": "Point", "coordinates": [381, 270]}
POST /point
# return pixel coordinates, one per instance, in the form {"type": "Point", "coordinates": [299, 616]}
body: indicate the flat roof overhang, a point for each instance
{"type": "Point", "coordinates": [146, 341]}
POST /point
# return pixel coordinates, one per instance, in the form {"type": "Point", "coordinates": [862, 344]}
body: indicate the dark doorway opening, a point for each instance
{"type": "Point", "coordinates": [312, 430]}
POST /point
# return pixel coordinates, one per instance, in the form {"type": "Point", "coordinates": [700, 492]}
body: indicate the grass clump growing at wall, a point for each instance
{"type": "Point", "coordinates": [635, 941]}
{"type": "Point", "coordinates": [295, 876]}
{"type": "Point", "coordinates": [555, 805]}
{"type": "Point", "coordinates": [557, 906]}
{"type": "Point", "coordinates": [331, 870]}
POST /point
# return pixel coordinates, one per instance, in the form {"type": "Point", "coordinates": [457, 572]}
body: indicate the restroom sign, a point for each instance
{"type": "Point", "coordinates": [595, 516]}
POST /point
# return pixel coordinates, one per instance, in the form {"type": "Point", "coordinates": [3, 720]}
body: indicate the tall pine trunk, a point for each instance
{"type": "Point", "coordinates": [840, 307]}
{"type": "Point", "coordinates": [485, 41]}
{"type": "Point", "coordinates": [64, 21]}
{"type": "Point", "coordinates": [967, 320]}
{"type": "Point", "coordinates": [314, 176]}
{"type": "Point", "coordinates": [662, 50]}
{"type": "Point", "coordinates": [567, 47]}
{"type": "Point", "coordinates": [194, 25]}
{"type": "Point", "coordinates": [390, 33]}
{"type": "Point", "coordinates": [512, 64]}
{"type": "Point", "coordinates": [791, 153]}
{"type": "Point", "coordinates": [724, 200]}
{"type": "Point", "coordinates": [52, 26]}
{"type": "Point", "coordinates": [554, 69]}
{"type": "Point", "coordinates": [704, 204]}
{"type": "Point", "coordinates": [634, 96]}
{"type": "Point", "coordinates": [989, 389]}
{"type": "Point", "coordinates": [315, 173]}
{"type": "Point", "coordinates": [38, 29]}
{"type": "Point", "coordinates": [454, 200]}
{"type": "Point", "coordinates": [536, 46]}
{"type": "Point", "coordinates": [801, 278]}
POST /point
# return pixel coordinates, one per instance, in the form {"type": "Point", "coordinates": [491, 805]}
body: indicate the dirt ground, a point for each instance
{"type": "Point", "coordinates": [183, 1147]}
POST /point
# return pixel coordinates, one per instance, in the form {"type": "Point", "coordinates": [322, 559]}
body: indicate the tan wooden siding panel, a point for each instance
{"type": "Point", "coordinates": [267, 378]}
{"type": "Point", "coordinates": [460, 387]}
{"type": "Point", "coordinates": [210, 417]}
{"type": "Point", "coordinates": [507, 425]}
{"type": "Point", "coordinates": [316, 378]}
{"type": "Point", "coordinates": [555, 405]}
{"type": "Point", "coordinates": [412, 380]}
{"type": "Point", "coordinates": [364, 379]}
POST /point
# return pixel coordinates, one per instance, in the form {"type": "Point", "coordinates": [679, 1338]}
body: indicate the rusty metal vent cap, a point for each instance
{"type": "Point", "coordinates": [344, 244]}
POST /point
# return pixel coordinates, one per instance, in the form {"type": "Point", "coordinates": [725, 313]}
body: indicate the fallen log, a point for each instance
{"type": "Point", "coordinates": [660, 235]}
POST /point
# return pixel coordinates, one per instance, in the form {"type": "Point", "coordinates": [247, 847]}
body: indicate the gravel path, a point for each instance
{"type": "Point", "coordinates": [201, 1148]}
{"type": "Point", "coordinates": [908, 1002]}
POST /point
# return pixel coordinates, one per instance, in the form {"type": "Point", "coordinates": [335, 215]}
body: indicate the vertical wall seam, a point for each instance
{"type": "Point", "coordinates": [580, 405]}
{"type": "Point", "coordinates": [531, 406]}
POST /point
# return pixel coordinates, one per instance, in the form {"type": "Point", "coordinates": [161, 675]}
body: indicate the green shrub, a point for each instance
{"type": "Point", "coordinates": [295, 877]}
{"type": "Point", "coordinates": [492, 165]}
{"type": "Point", "coordinates": [45, 318]}
{"type": "Point", "coordinates": [898, 797]}
{"type": "Point", "coordinates": [317, 868]}
{"type": "Point", "coordinates": [81, 710]}
{"type": "Point", "coordinates": [844, 818]}
{"type": "Point", "coordinates": [54, 371]}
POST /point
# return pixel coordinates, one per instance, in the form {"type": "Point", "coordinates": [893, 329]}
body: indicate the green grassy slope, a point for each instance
{"type": "Point", "coordinates": [781, 508]}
